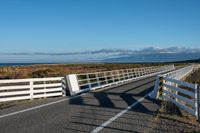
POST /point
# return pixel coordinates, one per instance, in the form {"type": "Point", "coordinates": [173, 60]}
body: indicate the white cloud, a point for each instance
{"type": "Point", "coordinates": [148, 50]}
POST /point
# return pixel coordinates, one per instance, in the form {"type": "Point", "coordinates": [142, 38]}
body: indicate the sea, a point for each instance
{"type": "Point", "coordinates": [22, 64]}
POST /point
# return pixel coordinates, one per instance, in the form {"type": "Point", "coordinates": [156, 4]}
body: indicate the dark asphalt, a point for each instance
{"type": "Point", "coordinates": [87, 112]}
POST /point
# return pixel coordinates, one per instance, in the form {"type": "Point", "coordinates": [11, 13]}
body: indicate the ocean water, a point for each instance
{"type": "Point", "coordinates": [22, 64]}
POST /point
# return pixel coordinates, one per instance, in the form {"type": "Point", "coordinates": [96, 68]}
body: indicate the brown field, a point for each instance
{"type": "Point", "coordinates": [39, 71]}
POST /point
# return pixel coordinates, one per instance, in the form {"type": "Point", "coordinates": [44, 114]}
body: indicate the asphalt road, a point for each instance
{"type": "Point", "coordinates": [87, 112]}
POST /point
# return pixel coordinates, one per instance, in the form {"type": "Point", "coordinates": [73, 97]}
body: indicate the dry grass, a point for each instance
{"type": "Point", "coordinates": [39, 71]}
{"type": "Point", "coordinates": [194, 77]}
{"type": "Point", "coordinates": [172, 119]}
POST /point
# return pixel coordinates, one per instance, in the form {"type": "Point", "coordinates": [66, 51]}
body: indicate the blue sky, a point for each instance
{"type": "Point", "coordinates": [85, 25]}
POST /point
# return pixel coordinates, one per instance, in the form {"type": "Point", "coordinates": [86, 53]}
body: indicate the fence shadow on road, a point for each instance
{"type": "Point", "coordinates": [98, 107]}
{"type": "Point", "coordinates": [132, 121]}
{"type": "Point", "coordinates": [101, 106]}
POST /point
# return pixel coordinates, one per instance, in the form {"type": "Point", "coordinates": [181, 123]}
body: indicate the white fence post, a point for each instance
{"type": "Point", "coordinates": [45, 89]}
{"type": "Point", "coordinates": [112, 76]}
{"type": "Point", "coordinates": [196, 101]}
{"type": "Point", "coordinates": [97, 78]}
{"type": "Point", "coordinates": [176, 92]}
{"type": "Point", "coordinates": [31, 89]}
{"type": "Point", "coordinates": [88, 80]}
{"type": "Point", "coordinates": [105, 76]}
{"type": "Point", "coordinates": [119, 75]}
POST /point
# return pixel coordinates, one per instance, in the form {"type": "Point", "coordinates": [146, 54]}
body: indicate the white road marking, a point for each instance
{"type": "Point", "coordinates": [40, 106]}
{"type": "Point", "coordinates": [106, 123]}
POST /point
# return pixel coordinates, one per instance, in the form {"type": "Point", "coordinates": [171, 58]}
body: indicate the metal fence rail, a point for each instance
{"type": "Point", "coordinates": [185, 95]}
{"type": "Point", "coordinates": [78, 83]}
{"type": "Point", "coordinates": [21, 89]}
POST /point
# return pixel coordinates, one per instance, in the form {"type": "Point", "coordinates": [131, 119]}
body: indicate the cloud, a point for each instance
{"type": "Point", "coordinates": [148, 50]}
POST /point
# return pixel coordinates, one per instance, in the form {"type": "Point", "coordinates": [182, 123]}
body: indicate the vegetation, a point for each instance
{"type": "Point", "coordinates": [170, 118]}
{"type": "Point", "coordinates": [40, 71]}
{"type": "Point", "coordinates": [194, 77]}
{"type": "Point", "coordinates": [170, 108]}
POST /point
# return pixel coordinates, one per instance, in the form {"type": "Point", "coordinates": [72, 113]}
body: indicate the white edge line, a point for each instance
{"type": "Point", "coordinates": [40, 106]}
{"type": "Point", "coordinates": [106, 123]}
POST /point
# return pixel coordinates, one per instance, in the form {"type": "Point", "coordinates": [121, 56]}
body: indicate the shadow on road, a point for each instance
{"type": "Point", "coordinates": [97, 107]}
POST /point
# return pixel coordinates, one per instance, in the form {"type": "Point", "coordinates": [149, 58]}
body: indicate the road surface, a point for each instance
{"type": "Point", "coordinates": [120, 109]}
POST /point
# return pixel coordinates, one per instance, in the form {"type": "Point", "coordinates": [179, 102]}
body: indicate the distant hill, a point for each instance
{"type": "Point", "coordinates": [190, 61]}
{"type": "Point", "coordinates": [153, 58]}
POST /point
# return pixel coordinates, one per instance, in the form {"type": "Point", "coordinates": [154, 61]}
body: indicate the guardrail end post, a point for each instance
{"type": "Point", "coordinates": [72, 83]}
{"type": "Point", "coordinates": [156, 88]}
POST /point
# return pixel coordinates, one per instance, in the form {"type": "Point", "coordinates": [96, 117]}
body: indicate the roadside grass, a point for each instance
{"type": "Point", "coordinates": [194, 77]}
{"type": "Point", "coordinates": [173, 119]}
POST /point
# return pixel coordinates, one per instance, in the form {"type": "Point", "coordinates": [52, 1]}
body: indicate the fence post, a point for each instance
{"type": "Point", "coordinates": [176, 92]}
{"type": "Point", "coordinates": [198, 98]}
{"type": "Point", "coordinates": [105, 76]}
{"type": "Point", "coordinates": [45, 89]}
{"type": "Point", "coordinates": [31, 89]}
{"type": "Point", "coordinates": [88, 80]}
{"type": "Point", "coordinates": [112, 75]}
{"type": "Point", "coordinates": [156, 87]}
{"type": "Point", "coordinates": [97, 78]}
{"type": "Point", "coordinates": [133, 73]}
{"type": "Point", "coordinates": [197, 101]}
{"type": "Point", "coordinates": [118, 75]}
{"type": "Point", "coordinates": [128, 74]}
{"type": "Point", "coordinates": [148, 72]}
{"type": "Point", "coordinates": [73, 84]}
{"type": "Point", "coordinates": [160, 86]}
{"type": "Point", "coordinates": [123, 73]}
{"type": "Point", "coordinates": [64, 86]}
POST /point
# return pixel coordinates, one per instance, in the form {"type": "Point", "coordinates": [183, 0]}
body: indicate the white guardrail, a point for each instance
{"type": "Point", "coordinates": [185, 95]}
{"type": "Point", "coordinates": [21, 89]}
{"type": "Point", "coordinates": [78, 83]}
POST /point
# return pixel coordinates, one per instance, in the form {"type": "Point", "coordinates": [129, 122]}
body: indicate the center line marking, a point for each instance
{"type": "Point", "coordinates": [106, 123]}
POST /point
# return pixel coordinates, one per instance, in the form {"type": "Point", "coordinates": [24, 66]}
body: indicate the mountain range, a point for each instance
{"type": "Point", "coordinates": [154, 57]}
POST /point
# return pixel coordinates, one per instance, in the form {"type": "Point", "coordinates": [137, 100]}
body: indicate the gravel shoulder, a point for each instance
{"type": "Point", "coordinates": [169, 123]}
